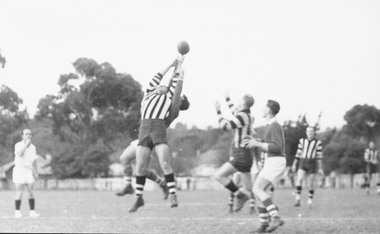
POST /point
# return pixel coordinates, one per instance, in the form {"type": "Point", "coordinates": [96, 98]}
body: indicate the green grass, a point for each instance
{"type": "Point", "coordinates": [334, 211]}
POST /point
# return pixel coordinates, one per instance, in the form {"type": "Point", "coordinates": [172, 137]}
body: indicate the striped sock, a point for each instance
{"type": "Point", "coordinates": [231, 199]}
{"type": "Point", "coordinates": [232, 187]}
{"type": "Point", "coordinates": [270, 207]}
{"type": "Point", "coordinates": [263, 216]}
{"type": "Point", "coordinates": [252, 200]}
{"type": "Point", "coordinates": [17, 204]}
{"type": "Point", "coordinates": [311, 193]}
{"type": "Point", "coordinates": [170, 182]}
{"type": "Point", "coordinates": [140, 183]}
{"type": "Point", "coordinates": [127, 180]}
{"type": "Point", "coordinates": [298, 192]}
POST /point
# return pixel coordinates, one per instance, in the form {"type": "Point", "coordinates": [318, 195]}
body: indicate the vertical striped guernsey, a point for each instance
{"type": "Point", "coordinates": [371, 156]}
{"type": "Point", "coordinates": [156, 106]}
{"type": "Point", "coordinates": [309, 149]}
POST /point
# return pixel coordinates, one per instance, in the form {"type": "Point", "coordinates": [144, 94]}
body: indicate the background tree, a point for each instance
{"type": "Point", "coordinates": [12, 119]}
{"type": "Point", "coordinates": [363, 121]}
{"type": "Point", "coordinates": [93, 109]}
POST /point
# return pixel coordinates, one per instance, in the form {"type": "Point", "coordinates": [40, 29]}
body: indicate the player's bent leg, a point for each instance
{"type": "Point", "coordinates": [246, 179]}
{"type": "Point", "coordinates": [160, 181]}
{"type": "Point", "coordinates": [162, 151]}
{"type": "Point", "coordinates": [126, 159]}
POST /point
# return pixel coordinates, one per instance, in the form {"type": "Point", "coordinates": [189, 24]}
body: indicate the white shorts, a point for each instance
{"type": "Point", "coordinates": [273, 168]}
{"type": "Point", "coordinates": [22, 175]}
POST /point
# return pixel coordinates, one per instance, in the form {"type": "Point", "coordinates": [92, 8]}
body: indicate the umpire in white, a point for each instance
{"type": "Point", "coordinates": [25, 172]}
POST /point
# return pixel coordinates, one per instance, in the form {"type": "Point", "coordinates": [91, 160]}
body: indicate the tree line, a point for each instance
{"type": "Point", "coordinates": [96, 113]}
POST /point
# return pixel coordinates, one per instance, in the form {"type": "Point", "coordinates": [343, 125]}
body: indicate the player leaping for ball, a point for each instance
{"type": "Point", "coordinates": [241, 157]}
{"type": "Point", "coordinates": [128, 156]}
{"type": "Point", "coordinates": [152, 134]}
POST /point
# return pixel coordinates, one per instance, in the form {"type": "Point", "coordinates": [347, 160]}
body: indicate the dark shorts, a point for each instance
{"type": "Point", "coordinates": [309, 166]}
{"type": "Point", "coordinates": [371, 168]}
{"type": "Point", "coordinates": [241, 159]}
{"type": "Point", "coordinates": [152, 132]}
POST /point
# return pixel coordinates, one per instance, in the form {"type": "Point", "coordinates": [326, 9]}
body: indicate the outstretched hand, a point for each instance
{"type": "Point", "coordinates": [226, 93]}
{"type": "Point", "coordinates": [217, 105]}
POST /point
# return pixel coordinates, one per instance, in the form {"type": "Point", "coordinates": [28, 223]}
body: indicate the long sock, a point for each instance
{"type": "Point", "coordinates": [252, 200]}
{"type": "Point", "coordinates": [127, 180]}
{"type": "Point", "coordinates": [311, 194]}
{"type": "Point", "coordinates": [31, 203]}
{"type": "Point", "coordinates": [232, 187]}
{"type": "Point", "coordinates": [17, 204]}
{"type": "Point", "coordinates": [231, 199]}
{"type": "Point", "coordinates": [263, 216]}
{"type": "Point", "coordinates": [170, 182]}
{"type": "Point", "coordinates": [298, 192]}
{"type": "Point", "coordinates": [270, 207]}
{"type": "Point", "coordinates": [154, 177]}
{"type": "Point", "coordinates": [271, 190]}
{"type": "Point", "coordinates": [140, 183]}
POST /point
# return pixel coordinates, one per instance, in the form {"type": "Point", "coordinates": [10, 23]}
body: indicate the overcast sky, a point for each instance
{"type": "Point", "coordinates": [308, 55]}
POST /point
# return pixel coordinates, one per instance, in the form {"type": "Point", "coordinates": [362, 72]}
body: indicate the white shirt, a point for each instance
{"type": "Point", "coordinates": [29, 156]}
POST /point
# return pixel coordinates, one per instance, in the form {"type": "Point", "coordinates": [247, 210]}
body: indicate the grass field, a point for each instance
{"type": "Point", "coordinates": [334, 211]}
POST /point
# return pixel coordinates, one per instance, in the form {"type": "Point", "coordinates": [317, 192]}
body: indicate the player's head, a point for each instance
{"type": "Point", "coordinates": [184, 103]}
{"type": "Point", "coordinates": [248, 101]}
{"type": "Point", "coordinates": [162, 89]}
{"type": "Point", "coordinates": [371, 145]}
{"type": "Point", "coordinates": [310, 132]}
{"type": "Point", "coordinates": [26, 134]}
{"type": "Point", "coordinates": [271, 108]}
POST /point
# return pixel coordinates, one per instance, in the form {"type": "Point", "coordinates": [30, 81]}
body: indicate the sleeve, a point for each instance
{"type": "Point", "coordinates": [275, 144]}
{"type": "Point", "coordinates": [173, 85]}
{"type": "Point", "coordinates": [300, 148]}
{"type": "Point", "coordinates": [231, 105]}
{"type": "Point", "coordinates": [319, 150]}
{"type": "Point", "coordinates": [174, 108]}
{"type": "Point", "coordinates": [223, 123]}
{"type": "Point", "coordinates": [154, 83]}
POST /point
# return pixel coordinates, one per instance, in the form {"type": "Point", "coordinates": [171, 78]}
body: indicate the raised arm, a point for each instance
{"type": "Point", "coordinates": [230, 104]}
{"type": "Point", "coordinates": [158, 77]}
{"type": "Point", "coordinates": [174, 108]}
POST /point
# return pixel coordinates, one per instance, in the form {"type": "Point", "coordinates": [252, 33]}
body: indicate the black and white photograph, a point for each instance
{"type": "Point", "coordinates": [190, 116]}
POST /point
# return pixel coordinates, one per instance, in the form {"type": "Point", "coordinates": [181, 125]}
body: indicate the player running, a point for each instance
{"type": "Point", "coordinates": [307, 163]}
{"type": "Point", "coordinates": [241, 157]}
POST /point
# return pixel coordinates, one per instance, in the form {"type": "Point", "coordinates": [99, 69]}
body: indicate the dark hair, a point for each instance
{"type": "Point", "coordinates": [273, 106]}
{"type": "Point", "coordinates": [185, 104]}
